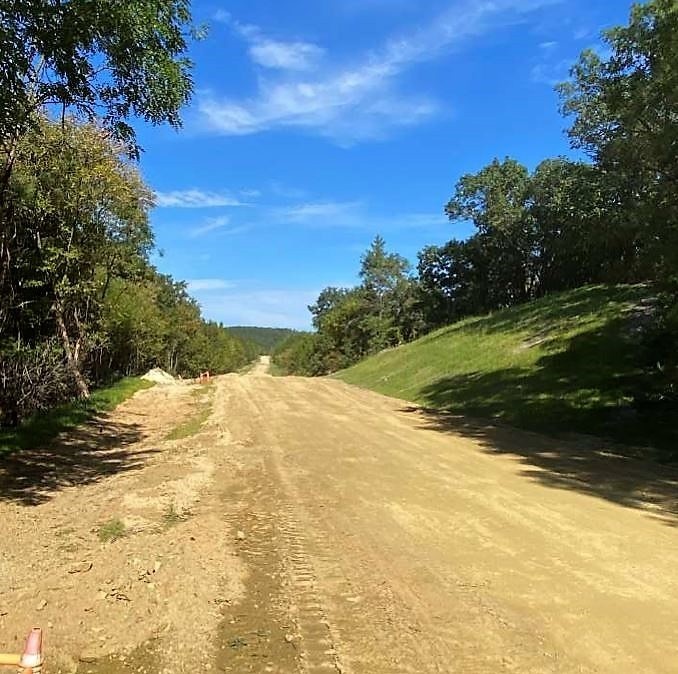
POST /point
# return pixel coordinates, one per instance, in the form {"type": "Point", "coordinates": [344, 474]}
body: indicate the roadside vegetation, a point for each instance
{"type": "Point", "coordinates": [592, 229]}
{"type": "Point", "coordinates": [202, 397]}
{"type": "Point", "coordinates": [571, 362]}
{"type": "Point", "coordinates": [80, 303]}
{"type": "Point", "coordinates": [40, 428]}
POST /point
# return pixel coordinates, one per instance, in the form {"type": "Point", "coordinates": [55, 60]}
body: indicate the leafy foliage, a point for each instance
{"type": "Point", "coordinates": [81, 303]}
{"type": "Point", "coordinates": [95, 59]}
{"type": "Point", "coordinates": [265, 340]}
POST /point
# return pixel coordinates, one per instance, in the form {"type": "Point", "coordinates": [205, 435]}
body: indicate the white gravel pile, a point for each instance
{"type": "Point", "coordinates": [159, 376]}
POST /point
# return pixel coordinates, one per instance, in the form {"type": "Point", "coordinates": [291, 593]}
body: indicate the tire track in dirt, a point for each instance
{"type": "Point", "coordinates": [298, 635]}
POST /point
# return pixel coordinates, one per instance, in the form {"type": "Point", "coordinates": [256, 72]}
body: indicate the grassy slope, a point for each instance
{"type": "Point", "coordinates": [42, 428]}
{"type": "Point", "coordinates": [566, 362]}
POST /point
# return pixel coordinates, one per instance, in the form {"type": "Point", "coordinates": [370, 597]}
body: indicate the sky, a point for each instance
{"type": "Point", "coordinates": [316, 126]}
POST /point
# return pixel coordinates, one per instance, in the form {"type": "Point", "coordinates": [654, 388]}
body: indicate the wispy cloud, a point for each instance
{"type": "Point", "coordinates": [209, 284]}
{"type": "Point", "coordinates": [211, 225]}
{"type": "Point", "coordinates": [319, 212]}
{"type": "Point", "coordinates": [220, 224]}
{"type": "Point", "coordinates": [358, 101]}
{"type": "Point", "coordinates": [275, 54]}
{"type": "Point", "coordinates": [551, 73]}
{"type": "Point", "coordinates": [195, 198]}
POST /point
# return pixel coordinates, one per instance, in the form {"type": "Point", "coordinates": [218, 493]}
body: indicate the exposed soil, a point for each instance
{"type": "Point", "coordinates": [314, 527]}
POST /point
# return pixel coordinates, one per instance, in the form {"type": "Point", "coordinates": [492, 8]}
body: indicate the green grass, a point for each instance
{"type": "Point", "coordinates": [567, 362]}
{"type": "Point", "coordinates": [43, 428]}
{"type": "Point", "coordinates": [192, 426]}
{"type": "Point", "coordinates": [112, 530]}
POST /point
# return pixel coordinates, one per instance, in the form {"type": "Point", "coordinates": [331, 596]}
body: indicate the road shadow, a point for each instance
{"type": "Point", "coordinates": [586, 464]}
{"type": "Point", "coordinates": [85, 455]}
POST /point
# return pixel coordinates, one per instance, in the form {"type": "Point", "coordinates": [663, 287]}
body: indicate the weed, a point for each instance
{"type": "Point", "coordinates": [172, 516]}
{"type": "Point", "coordinates": [112, 530]}
{"type": "Point", "coordinates": [192, 426]}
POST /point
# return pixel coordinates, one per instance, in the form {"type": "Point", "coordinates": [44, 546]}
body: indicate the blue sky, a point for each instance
{"type": "Point", "coordinates": [317, 125]}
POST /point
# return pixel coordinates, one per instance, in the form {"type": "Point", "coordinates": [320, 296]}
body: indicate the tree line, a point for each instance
{"type": "Point", "coordinates": [612, 218]}
{"type": "Point", "coordinates": [80, 303]}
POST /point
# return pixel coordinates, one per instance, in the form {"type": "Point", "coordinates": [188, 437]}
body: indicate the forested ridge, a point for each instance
{"type": "Point", "coordinates": [80, 303]}
{"type": "Point", "coordinates": [610, 218]}
{"type": "Point", "coordinates": [265, 339]}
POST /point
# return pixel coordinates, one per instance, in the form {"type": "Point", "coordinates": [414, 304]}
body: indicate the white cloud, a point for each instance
{"type": "Point", "coordinates": [219, 224]}
{"type": "Point", "coordinates": [358, 101]}
{"type": "Point", "coordinates": [195, 198]}
{"type": "Point", "coordinates": [285, 55]}
{"type": "Point", "coordinates": [209, 284]}
{"type": "Point", "coordinates": [275, 54]}
{"type": "Point", "coordinates": [551, 73]}
{"type": "Point", "coordinates": [548, 46]}
{"type": "Point", "coordinates": [319, 212]}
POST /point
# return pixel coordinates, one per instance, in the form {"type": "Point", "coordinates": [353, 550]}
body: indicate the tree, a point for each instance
{"type": "Point", "coordinates": [496, 200]}
{"type": "Point", "coordinates": [82, 217]}
{"type": "Point", "coordinates": [624, 108]}
{"type": "Point", "coordinates": [95, 60]}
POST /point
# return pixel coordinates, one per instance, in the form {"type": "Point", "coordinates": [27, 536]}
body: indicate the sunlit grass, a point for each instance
{"type": "Point", "coordinates": [567, 362]}
{"type": "Point", "coordinates": [44, 427]}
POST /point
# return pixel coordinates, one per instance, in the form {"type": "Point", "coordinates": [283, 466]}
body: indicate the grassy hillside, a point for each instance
{"type": "Point", "coordinates": [265, 338]}
{"type": "Point", "coordinates": [567, 362]}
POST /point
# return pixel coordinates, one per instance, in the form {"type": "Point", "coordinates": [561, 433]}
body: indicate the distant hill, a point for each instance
{"type": "Point", "coordinates": [567, 362]}
{"type": "Point", "coordinates": [265, 338]}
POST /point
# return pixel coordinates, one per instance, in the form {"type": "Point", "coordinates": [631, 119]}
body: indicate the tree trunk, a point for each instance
{"type": "Point", "coordinates": [71, 359]}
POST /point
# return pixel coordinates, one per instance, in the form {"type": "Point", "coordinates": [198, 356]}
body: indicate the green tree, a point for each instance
{"type": "Point", "coordinates": [496, 200]}
{"type": "Point", "coordinates": [96, 60]}
{"type": "Point", "coordinates": [624, 108]}
{"type": "Point", "coordinates": [82, 215]}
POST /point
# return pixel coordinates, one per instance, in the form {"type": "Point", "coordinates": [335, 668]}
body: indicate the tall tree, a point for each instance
{"type": "Point", "coordinates": [103, 60]}
{"type": "Point", "coordinates": [83, 218]}
{"type": "Point", "coordinates": [496, 200]}
{"type": "Point", "coordinates": [625, 109]}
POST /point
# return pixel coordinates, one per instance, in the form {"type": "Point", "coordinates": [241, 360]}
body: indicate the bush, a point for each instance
{"type": "Point", "coordinates": [32, 379]}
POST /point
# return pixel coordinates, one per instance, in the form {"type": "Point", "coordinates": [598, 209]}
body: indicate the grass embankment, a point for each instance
{"type": "Point", "coordinates": [42, 428]}
{"type": "Point", "coordinates": [565, 363]}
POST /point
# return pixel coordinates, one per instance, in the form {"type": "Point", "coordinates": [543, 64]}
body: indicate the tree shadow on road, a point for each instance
{"type": "Point", "coordinates": [88, 454]}
{"type": "Point", "coordinates": [585, 464]}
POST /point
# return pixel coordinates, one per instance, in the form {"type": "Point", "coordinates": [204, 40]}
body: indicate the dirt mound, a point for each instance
{"type": "Point", "coordinates": [159, 376]}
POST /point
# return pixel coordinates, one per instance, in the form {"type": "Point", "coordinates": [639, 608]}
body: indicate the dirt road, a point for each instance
{"type": "Point", "coordinates": [321, 528]}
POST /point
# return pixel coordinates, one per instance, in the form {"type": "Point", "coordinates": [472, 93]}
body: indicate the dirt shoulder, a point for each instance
{"type": "Point", "coordinates": [164, 576]}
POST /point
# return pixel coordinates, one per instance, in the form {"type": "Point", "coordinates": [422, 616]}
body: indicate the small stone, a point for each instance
{"type": "Point", "coordinates": [289, 638]}
{"type": "Point", "coordinates": [41, 605]}
{"type": "Point", "coordinates": [240, 535]}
